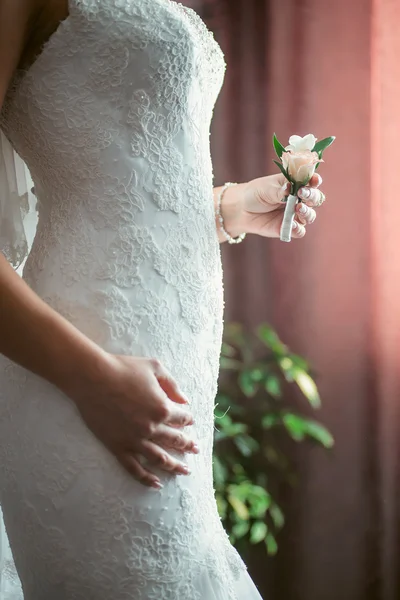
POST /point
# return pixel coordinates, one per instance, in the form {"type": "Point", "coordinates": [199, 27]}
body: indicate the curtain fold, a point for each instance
{"type": "Point", "coordinates": [330, 69]}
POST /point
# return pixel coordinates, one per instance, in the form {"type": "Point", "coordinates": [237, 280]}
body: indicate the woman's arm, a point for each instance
{"type": "Point", "coordinates": [231, 208]}
{"type": "Point", "coordinates": [258, 207]}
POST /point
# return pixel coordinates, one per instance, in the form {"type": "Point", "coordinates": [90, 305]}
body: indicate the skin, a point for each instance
{"type": "Point", "coordinates": [133, 405]}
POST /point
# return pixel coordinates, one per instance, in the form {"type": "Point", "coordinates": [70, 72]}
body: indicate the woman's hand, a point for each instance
{"type": "Point", "coordinates": [132, 406]}
{"type": "Point", "coordinates": [258, 206]}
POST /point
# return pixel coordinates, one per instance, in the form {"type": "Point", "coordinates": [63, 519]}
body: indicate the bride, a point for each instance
{"type": "Point", "coordinates": [110, 341]}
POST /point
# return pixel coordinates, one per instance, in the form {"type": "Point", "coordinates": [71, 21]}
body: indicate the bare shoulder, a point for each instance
{"type": "Point", "coordinates": [16, 18]}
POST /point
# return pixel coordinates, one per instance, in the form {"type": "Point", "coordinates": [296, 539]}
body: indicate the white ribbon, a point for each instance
{"type": "Point", "coordinates": [288, 218]}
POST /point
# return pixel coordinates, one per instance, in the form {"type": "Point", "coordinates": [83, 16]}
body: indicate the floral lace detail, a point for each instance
{"type": "Point", "coordinates": [113, 121]}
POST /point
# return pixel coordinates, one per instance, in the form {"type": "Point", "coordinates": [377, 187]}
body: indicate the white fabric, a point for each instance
{"type": "Point", "coordinates": [15, 205]}
{"type": "Point", "coordinates": [113, 121]}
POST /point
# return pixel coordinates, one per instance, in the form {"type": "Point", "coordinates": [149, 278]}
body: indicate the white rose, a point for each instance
{"type": "Point", "coordinates": [298, 143]}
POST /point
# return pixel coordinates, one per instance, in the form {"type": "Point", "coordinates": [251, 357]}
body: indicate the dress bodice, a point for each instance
{"type": "Point", "coordinates": [120, 81]}
{"type": "Point", "coordinates": [113, 121]}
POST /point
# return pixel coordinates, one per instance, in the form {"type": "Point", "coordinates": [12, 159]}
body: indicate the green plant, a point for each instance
{"type": "Point", "coordinates": [250, 416]}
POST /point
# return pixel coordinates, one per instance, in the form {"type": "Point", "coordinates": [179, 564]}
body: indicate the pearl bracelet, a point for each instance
{"type": "Point", "coordinates": [229, 238]}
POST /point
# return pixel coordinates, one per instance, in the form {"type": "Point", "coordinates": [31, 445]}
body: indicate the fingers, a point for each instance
{"type": "Point", "coordinates": [298, 230]}
{"type": "Point", "coordinates": [160, 458]}
{"type": "Point", "coordinates": [282, 190]}
{"type": "Point", "coordinates": [133, 466]}
{"type": "Point", "coordinates": [315, 180]}
{"type": "Point", "coordinates": [178, 417]}
{"type": "Point", "coordinates": [305, 214]}
{"type": "Point", "coordinates": [168, 384]}
{"type": "Point", "coordinates": [311, 196]}
{"type": "Point", "coordinates": [174, 439]}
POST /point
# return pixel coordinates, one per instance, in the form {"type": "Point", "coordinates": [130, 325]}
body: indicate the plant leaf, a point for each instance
{"type": "Point", "coordinates": [246, 445]}
{"type": "Point", "coordinates": [258, 532]}
{"type": "Point", "coordinates": [221, 505]}
{"type": "Point", "coordinates": [228, 350]}
{"type": "Point", "coordinates": [240, 529]}
{"type": "Point", "coordinates": [229, 363]}
{"type": "Point", "coordinates": [295, 426]}
{"type": "Point", "coordinates": [277, 516]}
{"type": "Point", "coordinates": [322, 145]}
{"type": "Point", "coordinates": [279, 149]}
{"type": "Point", "coordinates": [271, 544]}
{"type": "Point", "coordinates": [282, 168]}
{"type": "Point", "coordinates": [273, 386]}
{"type": "Point", "coordinates": [320, 434]}
{"type": "Point", "coordinates": [220, 472]}
{"type": "Point", "coordinates": [270, 420]}
{"type": "Point", "coordinates": [239, 507]}
{"type": "Point", "coordinates": [247, 384]}
{"type": "Point", "coordinates": [271, 339]}
{"type": "Point", "coordinates": [308, 387]}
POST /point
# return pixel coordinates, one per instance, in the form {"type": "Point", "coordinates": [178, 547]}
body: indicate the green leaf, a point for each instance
{"type": "Point", "coordinates": [221, 505]}
{"type": "Point", "coordinates": [319, 433]}
{"type": "Point", "coordinates": [273, 386]}
{"type": "Point", "coordinates": [258, 532]}
{"type": "Point", "coordinates": [240, 529]}
{"type": "Point", "coordinates": [248, 386]}
{"type": "Point", "coordinates": [258, 505]}
{"type": "Point", "coordinates": [271, 544]}
{"type": "Point", "coordinates": [220, 472]}
{"type": "Point", "coordinates": [238, 470]}
{"type": "Point", "coordinates": [298, 427]}
{"type": "Point", "coordinates": [241, 490]}
{"type": "Point", "coordinates": [286, 364]}
{"type": "Point", "coordinates": [234, 430]}
{"type": "Point", "coordinates": [279, 149]}
{"type": "Point", "coordinates": [269, 421]}
{"type": "Point", "coordinates": [229, 363]}
{"type": "Point", "coordinates": [295, 426]}
{"type": "Point", "coordinates": [271, 339]}
{"type": "Point", "coordinates": [282, 169]}
{"type": "Point", "coordinates": [277, 516]}
{"type": "Point", "coordinates": [228, 350]}
{"type": "Point", "coordinates": [322, 145]}
{"type": "Point", "coordinates": [300, 362]}
{"type": "Point", "coordinates": [257, 374]}
{"type": "Point", "coordinates": [239, 507]}
{"type": "Point", "coordinates": [308, 387]}
{"type": "Point", "coordinates": [246, 445]}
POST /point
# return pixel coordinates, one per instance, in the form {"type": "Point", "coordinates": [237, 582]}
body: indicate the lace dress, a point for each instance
{"type": "Point", "coordinates": [113, 121]}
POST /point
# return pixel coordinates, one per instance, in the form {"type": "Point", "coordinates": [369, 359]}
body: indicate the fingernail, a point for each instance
{"type": "Point", "coordinates": [304, 193]}
{"type": "Point", "coordinates": [158, 485]}
{"type": "Point", "coordinates": [295, 225]}
{"type": "Point", "coordinates": [186, 470]}
{"type": "Point", "coordinates": [196, 449]}
{"type": "Point", "coordinates": [302, 208]}
{"type": "Point", "coordinates": [320, 180]}
{"type": "Point", "coordinates": [183, 396]}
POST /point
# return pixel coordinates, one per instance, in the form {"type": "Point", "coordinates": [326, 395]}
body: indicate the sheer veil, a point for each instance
{"type": "Point", "coordinates": [17, 205]}
{"type": "Point", "coordinates": [17, 228]}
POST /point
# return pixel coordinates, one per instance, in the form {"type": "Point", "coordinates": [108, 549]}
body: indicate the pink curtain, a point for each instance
{"type": "Point", "coordinates": [299, 66]}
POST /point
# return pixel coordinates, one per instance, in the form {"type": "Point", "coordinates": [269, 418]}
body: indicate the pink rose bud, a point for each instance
{"type": "Point", "coordinates": [300, 165]}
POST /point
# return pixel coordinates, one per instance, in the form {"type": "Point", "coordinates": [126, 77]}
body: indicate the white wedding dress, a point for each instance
{"type": "Point", "coordinates": [113, 121]}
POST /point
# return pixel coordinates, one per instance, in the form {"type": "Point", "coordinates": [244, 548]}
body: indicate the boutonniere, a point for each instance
{"type": "Point", "coordinates": [299, 161]}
